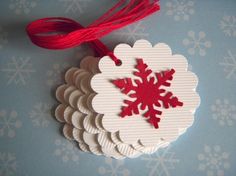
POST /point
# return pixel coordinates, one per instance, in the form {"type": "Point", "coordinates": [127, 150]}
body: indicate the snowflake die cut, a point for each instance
{"type": "Point", "coordinates": [147, 93]}
{"type": "Point", "coordinates": [109, 98]}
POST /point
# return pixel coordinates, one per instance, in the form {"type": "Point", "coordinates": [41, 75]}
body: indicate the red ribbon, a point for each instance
{"type": "Point", "coordinates": [62, 33]}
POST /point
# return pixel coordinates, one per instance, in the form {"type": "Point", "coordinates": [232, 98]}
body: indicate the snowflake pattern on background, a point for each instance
{"type": "Point", "coordinates": [149, 100]}
{"type": "Point", "coordinates": [229, 64]}
{"type": "Point", "coordinates": [213, 161]}
{"type": "Point", "coordinates": [75, 6]}
{"type": "Point", "coordinates": [8, 123]}
{"type": "Point", "coordinates": [224, 112]}
{"type": "Point", "coordinates": [40, 115]}
{"type": "Point", "coordinates": [3, 37]}
{"type": "Point", "coordinates": [113, 168]}
{"type": "Point", "coordinates": [54, 75]}
{"type": "Point", "coordinates": [161, 162]}
{"type": "Point", "coordinates": [22, 6]}
{"type": "Point", "coordinates": [131, 33]}
{"type": "Point", "coordinates": [67, 151]}
{"type": "Point", "coordinates": [8, 164]}
{"type": "Point", "coordinates": [228, 25]}
{"type": "Point", "coordinates": [18, 70]}
{"type": "Point", "coordinates": [197, 43]}
{"type": "Point", "coordinates": [180, 9]}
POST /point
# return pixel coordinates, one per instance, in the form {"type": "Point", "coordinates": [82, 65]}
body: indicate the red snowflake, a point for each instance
{"type": "Point", "coordinates": [147, 93]}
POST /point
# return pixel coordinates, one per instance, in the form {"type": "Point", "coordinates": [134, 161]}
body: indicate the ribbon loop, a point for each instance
{"type": "Point", "coordinates": [62, 33]}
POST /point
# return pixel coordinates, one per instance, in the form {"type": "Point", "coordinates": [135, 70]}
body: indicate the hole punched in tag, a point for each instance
{"type": "Point", "coordinates": [117, 61]}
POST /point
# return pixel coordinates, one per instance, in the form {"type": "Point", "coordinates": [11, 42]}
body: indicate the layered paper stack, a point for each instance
{"type": "Point", "coordinates": [128, 110]}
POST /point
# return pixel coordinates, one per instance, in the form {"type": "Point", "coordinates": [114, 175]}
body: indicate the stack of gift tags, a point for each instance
{"type": "Point", "coordinates": [91, 104]}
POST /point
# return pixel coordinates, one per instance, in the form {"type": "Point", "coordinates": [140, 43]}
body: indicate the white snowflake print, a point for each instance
{"type": "Point", "coordinates": [67, 151]}
{"type": "Point", "coordinates": [18, 70]}
{"type": "Point", "coordinates": [229, 64]}
{"type": "Point", "coordinates": [8, 164]}
{"type": "Point", "coordinates": [8, 123]}
{"type": "Point", "coordinates": [213, 161]}
{"type": "Point", "coordinates": [55, 74]}
{"type": "Point", "coordinates": [22, 6]}
{"type": "Point", "coordinates": [131, 33]}
{"type": "Point", "coordinates": [228, 25]}
{"type": "Point", "coordinates": [181, 10]}
{"type": "Point", "coordinates": [197, 43]}
{"type": "Point", "coordinates": [40, 115]}
{"type": "Point", "coordinates": [75, 6]}
{"type": "Point", "coordinates": [224, 112]}
{"type": "Point", "coordinates": [113, 168]}
{"type": "Point", "coordinates": [161, 162]}
{"type": "Point", "coordinates": [3, 37]}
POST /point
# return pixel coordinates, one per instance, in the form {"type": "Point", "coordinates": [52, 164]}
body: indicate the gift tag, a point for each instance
{"type": "Point", "coordinates": [152, 90]}
{"type": "Point", "coordinates": [131, 109]}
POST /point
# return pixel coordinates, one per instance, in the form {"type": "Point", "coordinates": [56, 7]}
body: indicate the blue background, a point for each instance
{"type": "Point", "coordinates": [31, 142]}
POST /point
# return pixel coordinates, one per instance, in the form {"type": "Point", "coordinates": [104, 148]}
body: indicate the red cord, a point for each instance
{"type": "Point", "coordinates": [62, 33]}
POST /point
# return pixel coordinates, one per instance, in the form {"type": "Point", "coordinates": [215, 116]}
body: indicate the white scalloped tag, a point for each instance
{"type": "Point", "coordinates": [134, 128]}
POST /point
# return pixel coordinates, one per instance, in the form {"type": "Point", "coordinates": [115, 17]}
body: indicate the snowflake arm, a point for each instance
{"type": "Point", "coordinates": [132, 107]}
{"type": "Point", "coordinates": [125, 85]}
{"type": "Point", "coordinates": [152, 114]}
{"type": "Point", "coordinates": [163, 80]}
{"type": "Point", "coordinates": [142, 72]}
{"type": "Point", "coordinates": [169, 100]}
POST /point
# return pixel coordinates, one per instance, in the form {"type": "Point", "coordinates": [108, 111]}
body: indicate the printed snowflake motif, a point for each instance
{"type": "Point", "coordinates": [8, 164]}
{"type": "Point", "coordinates": [228, 25]}
{"type": "Point", "coordinates": [224, 112]}
{"type": "Point", "coordinates": [161, 162]}
{"type": "Point", "coordinates": [18, 70]}
{"type": "Point", "coordinates": [22, 6]}
{"type": "Point", "coordinates": [3, 37]}
{"type": "Point", "coordinates": [229, 65]}
{"type": "Point", "coordinates": [180, 9]}
{"type": "Point", "coordinates": [147, 99]}
{"type": "Point", "coordinates": [55, 74]}
{"type": "Point", "coordinates": [75, 6]}
{"type": "Point", "coordinates": [8, 123]}
{"type": "Point", "coordinates": [67, 151]}
{"type": "Point", "coordinates": [132, 32]}
{"type": "Point", "coordinates": [195, 43]}
{"type": "Point", "coordinates": [115, 168]}
{"type": "Point", "coordinates": [213, 161]}
{"type": "Point", "coordinates": [40, 115]}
